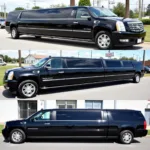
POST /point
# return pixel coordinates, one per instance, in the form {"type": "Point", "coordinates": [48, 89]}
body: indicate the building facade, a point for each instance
{"type": "Point", "coordinates": [19, 109]}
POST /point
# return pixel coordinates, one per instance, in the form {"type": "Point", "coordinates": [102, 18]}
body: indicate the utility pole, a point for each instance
{"type": "Point", "coordinates": [140, 9]}
{"type": "Point", "coordinates": [144, 58]}
{"type": "Point", "coordinates": [4, 11]}
{"type": "Point", "coordinates": [127, 13]}
{"type": "Point", "coordinates": [19, 54]}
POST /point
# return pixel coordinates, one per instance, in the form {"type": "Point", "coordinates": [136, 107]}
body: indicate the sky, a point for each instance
{"type": "Point", "coordinates": [12, 4]}
{"type": "Point", "coordinates": [137, 54]}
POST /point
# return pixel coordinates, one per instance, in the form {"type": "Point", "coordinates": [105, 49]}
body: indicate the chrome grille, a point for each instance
{"type": "Point", "coordinates": [136, 26]}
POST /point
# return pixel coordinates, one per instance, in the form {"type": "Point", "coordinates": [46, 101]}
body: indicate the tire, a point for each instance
{"type": "Point", "coordinates": [38, 37]}
{"type": "Point", "coordinates": [136, 78]}
{"type": "Point", "coordinates": [0, 27]}
{"type": "Point", "coordinates": [14, 33]}
{"type": "Point", "coordinates": [17, 140]}
{"type": "Point", "coordinates": [105, 37]}
{"type": "Point", "coordinates": [126, 137]}
{"type": "Point", "coordinates": [31, 91]}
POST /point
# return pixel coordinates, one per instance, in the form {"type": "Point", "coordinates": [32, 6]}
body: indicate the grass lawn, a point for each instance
{"type": "Point", "coordinates": [148, 132]}
{"type": "Point", "coordinates": [147, 28]}
{"type": "Point", "coordinates": [2, 72]}
{"type": "Point", "coordinates": [1, 127]}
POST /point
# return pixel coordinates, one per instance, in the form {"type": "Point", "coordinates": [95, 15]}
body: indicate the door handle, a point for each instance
{"type": "Point", "coordinates": [61, 72]}
{"type": "Point", "coordinates": [75, 22]}
{"type": "Point", "coordinates": [46, 123]}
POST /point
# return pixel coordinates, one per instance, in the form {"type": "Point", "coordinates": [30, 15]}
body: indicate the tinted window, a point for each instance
{"type": "Point", "coordinates": [113, 63]}
{"type": "Point", "coordinates": [83, 63]}
{"type": "Point", "coordinates": [48, 13]}
{"type": "Point", "coordinates": [56, 63]}
{"type": "Point", "coordinates": [82, 12]}
{"type": "Point", "coordinates": [127, 64]}
{"type": "Point", "coordinates": [13, 15]}
{"type": "Point", "coordinates": [126, 115]}
{"type": "Point", "coordinates": [78, 115]}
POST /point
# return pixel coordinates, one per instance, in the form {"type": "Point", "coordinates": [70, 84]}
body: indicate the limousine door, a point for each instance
{"type": "Point", "coordinates": [82, 24]}
{"type": "Point", "coordinates": [40, 125]}
{"type": "Point", "coordinates": [53, 73]}
{"type": "Point", "coordinates": [80, 123]}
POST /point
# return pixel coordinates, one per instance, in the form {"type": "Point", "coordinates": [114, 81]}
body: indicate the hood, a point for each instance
{"type": "Point", "coordinates": [122, 19]}
{"type": "Point", "coordinates": [20, 121]}
{"type": "Point", "coordinates": [21, 69]}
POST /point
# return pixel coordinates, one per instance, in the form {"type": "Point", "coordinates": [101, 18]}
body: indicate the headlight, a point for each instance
{"type": "Point", "coordinates": [120, 26]}
{"type": "Point", "coordinates": [10, 75]}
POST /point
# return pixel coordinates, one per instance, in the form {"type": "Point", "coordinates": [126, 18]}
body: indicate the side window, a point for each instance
{"type": "Point", "coordinates": [46, 115]}
{"type": "Point", "coordinates": [81, 12]}
{"type": "Point", "coordinates": [79, 115]}
{"type": "Point", "coordinates": [55, 63]}
{"type": "Point", "coordinates": [127, 64]}
{"type": "Point", "coordinates": [113, 63]}
{"type": "Point", "coordinates": [84, 63]}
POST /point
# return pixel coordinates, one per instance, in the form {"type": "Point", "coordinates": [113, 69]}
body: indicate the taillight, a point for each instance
{"type": "Point", "coordinates": [145, 125]}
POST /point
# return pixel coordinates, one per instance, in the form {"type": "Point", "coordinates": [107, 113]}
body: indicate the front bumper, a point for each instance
{"type": "Point", "coordinates": [141, 133]}
{"type": "Point", "coordinates": [132, 38]}
{"type": "Point", "coordinates": [11, 85]}
{"type": "Point", "coordinates": [5, 134]}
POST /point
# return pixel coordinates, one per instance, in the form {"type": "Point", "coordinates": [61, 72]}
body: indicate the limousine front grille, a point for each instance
{"type": "Point", "coordinates": [136, 27]}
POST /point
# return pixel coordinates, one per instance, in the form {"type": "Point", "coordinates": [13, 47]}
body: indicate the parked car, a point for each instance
{"type": "Point", "coordinates": [99, 25]}
{"type": "Point", "coordinates": [124, 125]}
{"type": "Point", "coordinates": [147, 69]}
{"type": "Point", "coordinates": [3, 63]}
{"type": "Point", "coordinates": [55, 72]}
{"type": "Point", "coordinates": [2, 23]}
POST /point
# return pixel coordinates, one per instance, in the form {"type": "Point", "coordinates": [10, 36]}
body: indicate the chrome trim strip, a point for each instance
{"type": "Point", "coordinates": [87, 77]}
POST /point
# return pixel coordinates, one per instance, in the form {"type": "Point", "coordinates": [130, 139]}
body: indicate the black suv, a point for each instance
{"type": "Point", "coordinates": [99, 25]}
{"type": "Point", "coordinates": [123, 125]}
{"type": "Point", "coordinates": [53, 72]}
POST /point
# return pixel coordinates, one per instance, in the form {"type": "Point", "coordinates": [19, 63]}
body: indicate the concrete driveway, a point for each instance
{"type": "Point", "coordinates": [138, 144]}
{"type": "Point", "coordinates": [28, 42]}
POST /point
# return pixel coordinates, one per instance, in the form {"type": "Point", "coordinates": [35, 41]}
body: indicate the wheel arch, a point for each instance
{"type": "Point", "coordinates": [128, 128]}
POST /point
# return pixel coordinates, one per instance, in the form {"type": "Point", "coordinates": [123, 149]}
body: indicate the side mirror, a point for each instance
{"type": "Point", "coordinates": [47, 67]}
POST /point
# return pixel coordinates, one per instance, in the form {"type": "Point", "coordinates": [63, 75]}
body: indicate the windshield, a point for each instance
{"type": "Point", "coordinates": [41, 62]}
{"type": "Point", "coordinates": [101, 12]}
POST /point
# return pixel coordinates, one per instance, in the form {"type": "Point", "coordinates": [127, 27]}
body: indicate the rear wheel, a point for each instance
{"type": "Point", "coordinates": [14, 33]}
{"type": "Point", "coordinates": [28, 88]}
{"type": "Point", "coordinates": [17, 136]}
{"type": "Point", "coordinates": [126, 137]}
{"type": "Point", "coordinates": [136, 78]}
{"type": "Point", "coordinates": [103, 40]}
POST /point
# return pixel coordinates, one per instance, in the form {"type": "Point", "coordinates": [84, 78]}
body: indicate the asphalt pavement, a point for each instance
{"type": "Point", "coordinates": [116, 90]}
{"type": "Point", "coordinates": [31, 43]}
{"type": "Point", "coordinates": [138, 144]}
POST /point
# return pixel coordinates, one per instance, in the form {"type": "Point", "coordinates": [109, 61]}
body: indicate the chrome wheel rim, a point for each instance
{"type": "Point", "coordinates": [28, 89]}
{"type": "Point", "coordinates": [127, 137]}
{"type": "Point", "coordinates": [104, 41]}
{"type": "Point", "coordinates": [137, 78]}
{"type": "Point", "coordinates": [16, 136]}
{"type": "Point", "coordinates": [13, 33]}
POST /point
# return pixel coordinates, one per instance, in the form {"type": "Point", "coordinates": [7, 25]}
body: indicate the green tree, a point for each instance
{"type": "Point", "coordinates": [127, 58]}
{"type": "Point", "coordinates": [19, 8]}
{"type": "Point", "coordinates": [119, 9]}
{"type": "Point", "coordinates": [84, 3]}
{"type": "Point", "coordinates": [36, 7]}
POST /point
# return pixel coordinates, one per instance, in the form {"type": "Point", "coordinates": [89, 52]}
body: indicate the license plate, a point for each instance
{"type": "Point", "coordinates": [139, 41]}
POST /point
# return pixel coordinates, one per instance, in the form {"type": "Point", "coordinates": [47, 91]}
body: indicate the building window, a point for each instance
{"type": "Point", "coordinates": [27, 108]}
{"type": "Point", "coordinates": [90, 104]}
{"type": "Point", "coordinates": [66, 104]}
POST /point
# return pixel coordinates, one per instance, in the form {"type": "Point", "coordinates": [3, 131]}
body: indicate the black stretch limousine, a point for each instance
{"type": "Point", "coordinates": [99, 25]}
{"type": "Point", "coordinates": [124, 125]}
{"type": "Point", "coordinates": [64, 71]}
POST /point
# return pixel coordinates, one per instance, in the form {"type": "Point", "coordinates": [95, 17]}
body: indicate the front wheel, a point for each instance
{"type": "Point", "coordinates": [103, 40]}
{"type": "Point", "coordinates": [17, 136]}
{"type": "Point", "coordinates": [136, 78]}
{"type": "Point", "coordinates": [28, 88]}
{"type": "Point", "coordinates": [14, 33]}
{"type": "Point", "coordinates": [126, 137]}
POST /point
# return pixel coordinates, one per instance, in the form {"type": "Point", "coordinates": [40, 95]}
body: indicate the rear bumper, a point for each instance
{"type": "Point", "coordinates": [12, 86]}
{"type": "Point", "coordinates": [131, 37]}
{"type": "Point", "coordinates": [141, 133]}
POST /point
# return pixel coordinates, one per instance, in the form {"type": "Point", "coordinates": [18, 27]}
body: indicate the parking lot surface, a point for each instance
{"type": "Point", "coordinates": [138, 144]}
{"type": "Point", "coordinates": [30, 43]}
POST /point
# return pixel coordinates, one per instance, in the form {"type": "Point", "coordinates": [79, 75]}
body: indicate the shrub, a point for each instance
{"type": "Point", "coordinates": [146, 21]}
